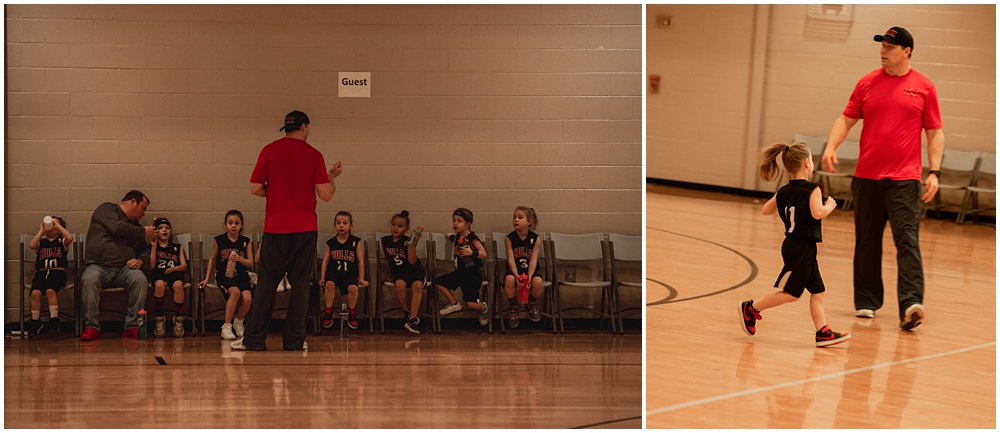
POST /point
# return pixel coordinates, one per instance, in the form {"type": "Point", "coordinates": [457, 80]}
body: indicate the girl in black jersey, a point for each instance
{"type": "Point", "coordinates": [232, 250]}
{"type": "Point", "coordinates": [469, 255]}
{"type": "Point", "coordinates": [51, 248]}
{"type": "Point", "coordinates": [800, 206]}
{"type": "Point", "coordinates": [167, 260]}
{"type": "Point", "coordinates": [523, 248]}
{"type": "Point", "coordinates": [343, 268]}
{"type": "Point", "coordinates": [405, 269]}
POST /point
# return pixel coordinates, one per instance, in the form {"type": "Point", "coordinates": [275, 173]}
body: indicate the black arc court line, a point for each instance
{"type": "Point", "coordinates": [753, 269]}
{"type": "Point", "coordinates": [160, 360]}
{"type": "Point", "coordinates": [608, 422]}
{"type": "Point", "coordinates": [672, 295]}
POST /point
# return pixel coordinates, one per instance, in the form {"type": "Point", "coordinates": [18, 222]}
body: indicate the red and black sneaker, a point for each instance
{"type": "Point", "coordinates": [749, 317]}
{"type": "Point", "coordinates": [352, 321]}
{"type": "Point", "coordinates": [328, 318]}
{"type": "Point", "coordinates": [826, 337]}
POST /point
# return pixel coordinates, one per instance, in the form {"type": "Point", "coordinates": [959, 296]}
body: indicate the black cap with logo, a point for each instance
{"type": "Point", "coordinates": [896, 36]}
{"type": "Point", "coordinates": [294, 121]}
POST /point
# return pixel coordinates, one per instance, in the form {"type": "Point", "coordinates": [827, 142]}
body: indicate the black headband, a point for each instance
{"type": "Point", "coordinates": [464, 215]}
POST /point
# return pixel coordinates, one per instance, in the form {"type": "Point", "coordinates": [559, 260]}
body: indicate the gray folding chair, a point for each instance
{"type": "Point", "coordinates": [847, 157]}
{"type": "Point", "coordinates": [958, 169]}
{"type": "Point", "coordinates": [383, 282]}
{"type": "Point", "coordinates": [985, 183]}
{"type": "Point", "coordinates": [572, 254]}
{"type": "Point", "coordinates": [500, 270]}
{"type": "Point", "coordinates": [27, 274]}
{"type": "Point", "coordinates": [626, 270]}
{"type": "Point", "coordinates": [364, 307]}
{"type": "Point", "coordinates": [443, 262]}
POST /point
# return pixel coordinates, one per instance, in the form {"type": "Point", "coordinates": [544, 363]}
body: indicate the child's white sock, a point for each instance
{"type": "Point", "coordinates": [54, 311]}
{"type": "Point", "coordinates": [35, 314]}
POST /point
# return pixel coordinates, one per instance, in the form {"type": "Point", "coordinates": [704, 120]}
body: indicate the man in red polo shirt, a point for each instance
{"type": "Point", "coordinates": [289, 174]}
{"type": "Point", "coordinates": [896, 102]}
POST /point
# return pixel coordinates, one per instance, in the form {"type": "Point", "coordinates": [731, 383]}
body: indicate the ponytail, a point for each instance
{"type": "Point", "coordinates": [792, 157]}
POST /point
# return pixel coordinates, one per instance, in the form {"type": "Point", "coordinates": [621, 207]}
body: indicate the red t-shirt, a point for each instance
{"type": "Point", "coordinates": [290, 168]}
{"type": "Point", "coordinates": [894, 109]}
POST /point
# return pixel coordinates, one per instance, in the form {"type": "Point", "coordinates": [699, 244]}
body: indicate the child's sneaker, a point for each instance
{"type": "Point", "coordinates": [484, 316]}
{"type": "Point", "coordinates": [450, 308]}
{"type": "Point", "coordinates": [826, 337]}
{"type": "Point", "coordinates": [238, 327]}
{"type": "Point", "coordinates": [227, 331]}
{"type": "Point", "coordinates": [327, 319]}
{"type": "Point", "coordinates": [411, 325]}
{"type": "Point", "coordinates": [178, 326]}
{"type": "Point", "coordinates": [160, 330]}
{"type": "Point", "coordinates": [533, 313]}
{"type": "Point", "coordinates": [352, 321]}
{"type": "Point", "coordinates": [913, 316]}
{"type": "Point", "coordinates": [33, 326]}
{"type": "Point", "coordinates": [512, 319]}
{"type": "Point", "coordinates": [749, 317]}
{"type": "Point", "coordinates": [53, 326]}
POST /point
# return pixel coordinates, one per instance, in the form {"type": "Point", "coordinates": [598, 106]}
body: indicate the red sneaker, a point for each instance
{"type": "Point", "coordinates": [90, 334]}
{"type": "Point", "coordinates": [132, 333]}
{"type": "Point", "coordinates": [750, 317]}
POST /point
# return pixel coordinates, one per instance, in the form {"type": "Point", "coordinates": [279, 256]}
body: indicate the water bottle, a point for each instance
{"type": "Point", "coordinates": [343, 319]}
{"type": "Point", "coordinates": [47, 222]}
{"type": "Point", "coordinates": [230, 267]}
{"type": "Point", "coordinates": [142, 324]}
{"type": "Point", "coordinates": [522, 289]}
{"type": "Point", "coordinates": [413, 235]}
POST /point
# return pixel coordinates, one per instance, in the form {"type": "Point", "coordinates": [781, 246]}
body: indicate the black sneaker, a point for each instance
{"type": "Point", "coordinates": [327, 320]}
{"type": "Point", "coordinates": [749, 317]}
{"type": "Point", "coordinates": [53, 326]}
{"type": "Point", "coordinates": [412, 325]}
{"type": "Point", "coordinates": [352, 321]}
{"type": "Point", "coordinates": [913, 316]}
{"type": "Point", "coordinates": [512, 319]}
{"type": "Point", "coordinates": [533, 312]}
{"type": "Point", "coordinates": [826, 337]}
{"type": "Point", "coordinates": [33, 326]}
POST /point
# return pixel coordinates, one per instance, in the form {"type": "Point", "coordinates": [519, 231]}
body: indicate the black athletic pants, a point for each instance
{"type": "Point", "coordinates": [294, 253]}
{"type": "Point", "coordinates": [875, 202]}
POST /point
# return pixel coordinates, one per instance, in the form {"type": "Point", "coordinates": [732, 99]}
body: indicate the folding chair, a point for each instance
{"type": "Point", "coordinates": [984, 182]}
{"type": "Point", "coordinates": [81, 240]}
{"type": "Point", "coordinates": [958, 169]}
{"type": "Point", "coordinates": [27, 274]}
{"type": "Point", "coordinates": [185, 240]}
{"type": "Point", "coordinates": [628, 251]}
{"type": "Point", "coordinates": [572, 254]}
{"type": "Point", "coordinates": [847, 157]}
{"type": "Point", "coordinates": [365, 309]}
{"type": "Point", "coordinates": [444, 258]}
{"type": "Point", "coordinates": [500, 270]}
{"type": "Point", "coordinates": [383, 281]}
{"type": "Point", "coordinates": [207, 241]}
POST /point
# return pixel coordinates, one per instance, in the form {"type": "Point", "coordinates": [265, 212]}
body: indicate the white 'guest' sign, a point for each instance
{"type": "Point", "coordinates": [355, 85]}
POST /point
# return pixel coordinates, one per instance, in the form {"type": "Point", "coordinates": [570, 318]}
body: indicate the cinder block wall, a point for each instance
{"type": "Point", "coordinates": [479, 106]}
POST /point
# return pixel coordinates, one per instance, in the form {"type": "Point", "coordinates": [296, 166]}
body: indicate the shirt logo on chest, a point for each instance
{"type": "Point", "coordinates": [909, 91]}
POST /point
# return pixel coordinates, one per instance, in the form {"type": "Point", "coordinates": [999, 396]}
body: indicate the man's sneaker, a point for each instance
{"type": "Point", "coordinates": [238, 327]}
{"type": "Point", "coordinates": [826, 337]}
{"type": "Point", "coordinates": [178, 326]}
{"type": "Point", "coordinates": [352, 321]}
{"type": "Point", "coordinates": [161, 329]}
{"type": "Point", "coordinates": [412, 324]}
{"type": "Point", "coordinates": [327, 320]}
{"type": "Point", "coordinates": [90, 334]}
{"type": "Point", "coordinates": [749, 317]}
{"type": "Point", "coordinates": [913, 316]}
{"type": "Point", "coordinates": [533, 312]}
{"type": "Point", "coordinates": [237, 345]}
{"type": "Point", "coordinates": [227, 332]}
{"type": "Point", "coordinates": [33, 326]}
{"type": "Point", "coordinates": [484, 316]}
{"type": "Point", "coordinates": [131, 333]}
{"type": "Point", "coordinates": [53, 326]}
{"type": "Point", "coordinates": [450, 308]}
{"type": "Point", "coordinates": [512, 319]}
{"type": "Point", "coordinates": [865, 313]}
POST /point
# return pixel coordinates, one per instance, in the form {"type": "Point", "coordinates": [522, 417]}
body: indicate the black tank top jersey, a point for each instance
{"type": "Point", "coordinates": [225, 246]}
{"type": "Point", "coordinates": [395, 254]}
{"type": "Point", "coordinates": [343, 256]}
{"type": "Point", "coordinates": [51, 254]}
{"type": "Point", "coordinates": [793, 208]}
{"type": "Point", "coordinates": [168, 256]}
{"type": "Point", "coordinates": [522, 249]}
{"type": "Point", "coordinates": [462, 263]}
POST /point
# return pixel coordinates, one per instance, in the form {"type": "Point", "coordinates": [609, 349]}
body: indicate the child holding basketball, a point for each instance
{"type": "Point", "coordinates": [800, 206]}
{"type": "Point", "coordinates": [51, 247]}
{"type": "Point", "coordinates": [346, 252]}
{"type": "Point", "coordinates": [469, 254]}
{"type": "Point", "coordinates": [405, 269]}
{"type": "Point", "coordinates": [234, 254]}
{"type": "Point", "coordinates": [523, 248]}
{"type": "Point", "coordinates": [168, 262]}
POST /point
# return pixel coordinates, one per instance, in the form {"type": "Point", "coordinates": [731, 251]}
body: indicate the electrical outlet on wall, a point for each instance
{"type": "Point", "coordinates": [571, 274]}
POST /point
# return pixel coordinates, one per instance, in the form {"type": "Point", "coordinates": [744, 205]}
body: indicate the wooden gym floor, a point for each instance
{"type": "Point", "coordinates": [460, 379]}
{"type": "Point", "coordinates": [706, 252]}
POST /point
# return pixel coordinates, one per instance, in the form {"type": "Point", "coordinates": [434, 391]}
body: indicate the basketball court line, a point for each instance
{"type": "Point", "coordinates": [813, 379]}
{"type": "Point", "coordinates": [748, 280]}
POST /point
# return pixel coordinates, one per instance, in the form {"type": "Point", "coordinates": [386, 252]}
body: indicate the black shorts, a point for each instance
{"type": "Point", "coordinates": [48, 279]}
{"type": "Point", "coordinates": [241, 281]}
{"type": "Point", "coordinates": [801, 270]}
{"type": "Point", "coordinates": [414, 273]}
{"type": "Point", "coordinates": [469, 281]}
{"type": "Point", "coordinates": [170, 278]}
{"type": "Point", "coordinates": [341, 281]}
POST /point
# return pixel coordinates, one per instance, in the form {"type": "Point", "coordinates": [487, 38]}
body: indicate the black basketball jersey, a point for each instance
{"type": "Point", "coordinates": [469, 261]}
{"type": "Point", "coordinates": [343, 256]}
{"type": "Point", "coordinates": [793, 208]}
{"type": "Point", "coordinates": [225, 247]}
{"type": "Point", "coordinates": [522, 249]}
{"type": "Point", "coordinates": [395, 254]}
{"type": "Point", "coordinates": [168, 256]}
{"type": "Point", "coordinates": [51, 254]}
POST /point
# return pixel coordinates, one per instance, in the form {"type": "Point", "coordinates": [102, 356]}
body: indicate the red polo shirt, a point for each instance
{"type": "Point", "coordinates": [291, 169]}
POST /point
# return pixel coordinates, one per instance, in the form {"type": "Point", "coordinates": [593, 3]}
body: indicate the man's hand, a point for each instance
{"type": "Point", "coordinates": [134, 264]}
{"type": "Point", "coordinates": [932, 188]}
{"type": "Point", "coordinates": [336, 169]}
{"type": "Point", "coordinates": [150, 230]}
{"type": "Point", "coordinates": [829, 160]}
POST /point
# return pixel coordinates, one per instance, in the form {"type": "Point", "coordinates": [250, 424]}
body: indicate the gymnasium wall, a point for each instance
{"type": "Point", "coordinates": [740, 77]}
{"type": "Point", "coordinates": [478, 106]}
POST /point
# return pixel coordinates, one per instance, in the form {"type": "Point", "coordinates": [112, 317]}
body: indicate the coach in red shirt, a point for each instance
{"type": "Point", "coordinates": [289, 174]}
{"type": "Point", "coordinates": [896, 103]}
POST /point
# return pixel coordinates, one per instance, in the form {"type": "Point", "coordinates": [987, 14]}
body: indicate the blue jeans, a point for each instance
{"type": "Point", "coordinates": [97, 277]}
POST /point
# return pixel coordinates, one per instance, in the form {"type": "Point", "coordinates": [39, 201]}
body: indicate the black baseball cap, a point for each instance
{"type": "Point", "coordinates": [158, 221]}
{"type": "Point", "coordinates": [896, 36]}
{"type": "Point", "coordinates": [294, 121]}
